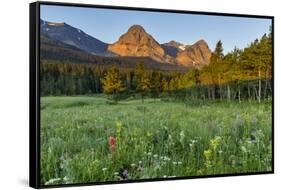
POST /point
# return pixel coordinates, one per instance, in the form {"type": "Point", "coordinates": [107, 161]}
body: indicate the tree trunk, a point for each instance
{"type": "Point", "coordinates": [219, 77]}
{"type": "Point", "coordinates": [239, 94]}
{"type": "Point", "coordinates": [256, 93]}
{"type": "Point", "coordinates": [269, 86]}
{"type": "Point", "coordinates": [214, 93]}
{"type": "Point", "coordinates": [228, 93]}
{"type": "Point", "coordinates": [249, 92]}
{"type": "Point", "coordinates": [259, 96]}
{"type": "Point", "coordinates": [265, 89]}
{"type": "Point", "coordinates": [265, 86]}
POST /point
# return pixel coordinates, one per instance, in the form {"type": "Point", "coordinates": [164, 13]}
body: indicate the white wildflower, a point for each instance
{"type": "Point", "coordinates": [243, 148]}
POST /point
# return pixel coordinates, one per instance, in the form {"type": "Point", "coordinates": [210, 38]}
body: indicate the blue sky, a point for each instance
{"type": "Point", "coordinates": [108, 25]}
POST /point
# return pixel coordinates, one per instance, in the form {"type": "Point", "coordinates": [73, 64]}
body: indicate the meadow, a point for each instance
{"type": "Point", "coordinates": [89, 139]}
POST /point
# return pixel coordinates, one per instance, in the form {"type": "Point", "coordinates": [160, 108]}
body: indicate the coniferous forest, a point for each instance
{"type": "Point", "coordinates": [241, 74]}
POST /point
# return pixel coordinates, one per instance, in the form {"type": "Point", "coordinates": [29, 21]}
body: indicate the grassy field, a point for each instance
{"type": "Point", "coordinates": [86, 139]}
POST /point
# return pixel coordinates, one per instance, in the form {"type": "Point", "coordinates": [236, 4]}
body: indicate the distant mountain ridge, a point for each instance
{"type": "Point", "coordinates": [136, 42]}
{"type": "Point", "coordinates": [54, 50]}
{"type": "Point", "coordinates": [172, 48]}
{"type": "Point", "coordinates": [73, 36]}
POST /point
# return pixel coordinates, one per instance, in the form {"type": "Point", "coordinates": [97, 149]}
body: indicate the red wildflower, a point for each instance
{"type": "Point", "coordinates": [112, 144]}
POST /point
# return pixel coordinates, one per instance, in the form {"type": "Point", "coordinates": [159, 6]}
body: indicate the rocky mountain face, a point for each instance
{"type": "Point", "coordinates": [195, 55]}
{"type": "Point", "coordinates": [136, 42]}
{"type": "Point", "coordinates": [172, 48]}
{"type": "Point", "coordinates": [73, 36]}
{"type": "Point", "coordinates": [54, 50]}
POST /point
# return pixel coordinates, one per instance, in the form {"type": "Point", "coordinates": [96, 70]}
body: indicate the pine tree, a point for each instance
{"type": "Point", "coordinates": [143, 80]}
{"type": "Point", "coordinates": [112, 84]}
{"type": "Point", "coordinates": [215, 66]}
{"type": "Point", "coordinates": [156, 83]}
{"type": "Point", "coordinates": [219, 50]}
{"type": "Point", "coordinates": [143, 86]}
{"type": "Point", "coordinates": [139, 71]}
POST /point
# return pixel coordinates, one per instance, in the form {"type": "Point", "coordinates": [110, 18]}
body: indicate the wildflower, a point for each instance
{"type": "Point", "coordinates": [166, 158]}
{"type": "Point", "coordinates": [140, 162]}
{"type": "Point", "coordinates": [157, 167]}
{"type": "Point", "coordinates": [148, 134]}
{"type": "Point", "coordinates": [179, 163]}
{"type": "Point", "coordinates": [95, 161]}
{"type": "Point", "coordinates": [243, 148]}
{"type": "Point", "coordinates": [170, 137]}
{"type": "Point", "coordinates": [254, 121]}
{"type": "Point", "coordinates": [116, 173]}
{"type": "Point", "coordinates": [193, 141]}
{"type": "Point", "coordinates": [118, 126]}
{"type": "Point", "coordinates": [182, 137]}
{"type": "Point", "coordinates": [133, 165]}
{"type": "Point", "coordinates": [104, 169]}
{"type": "Point", "coordinates": [239, 121]}
{"type": "Point", "coordinates": [149, 154]}
{"type": "Point", "coordinates": [249, 141]}
{"type": "Point", "coordinates": [215, 142]}
{"type": "Point", "coordinates": [125, 174]}
{"type": "Point", "coordinates": [208, 153]}
{"type": "Point", "coordinates": [65, 178]}
{"type": "Point", "coordinates": [61, 166]}
{"type": "Point", "coordinates": [155, 155]}
{"type": "Point", "coordinates": [164, 176]}
{"type": "Point", "coordinates": [175, 163]}
{"type": "Point", "coordinates": [140, 169]}
{"type": "Point", "coordinates": [112, 144]}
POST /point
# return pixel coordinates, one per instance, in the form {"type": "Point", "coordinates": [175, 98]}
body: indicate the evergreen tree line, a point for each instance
{"type": "Point", "coordinates": [241, 74]}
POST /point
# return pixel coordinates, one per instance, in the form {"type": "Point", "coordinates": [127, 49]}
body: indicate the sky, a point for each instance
{"type": "Point", "coordinates": [108, 25]}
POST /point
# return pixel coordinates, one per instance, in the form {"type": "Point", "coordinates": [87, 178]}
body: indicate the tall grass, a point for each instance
{"type": "Point", "coordinates": [157, 139]}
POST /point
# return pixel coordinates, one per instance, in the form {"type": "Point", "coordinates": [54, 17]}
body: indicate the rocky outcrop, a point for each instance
{"type": "Point", "coordinates": [196, 55]}
{"type": "Point", "coordinates": [136, 42]}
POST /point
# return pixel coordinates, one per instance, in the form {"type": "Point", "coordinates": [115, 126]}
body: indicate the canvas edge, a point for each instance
{"type": "Point", "coordinates": [34, 130]}
{"type": "Point", "coordinates": [34, 97]}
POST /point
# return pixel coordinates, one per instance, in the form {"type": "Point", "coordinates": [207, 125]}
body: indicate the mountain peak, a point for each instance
{"type": "Point", "coordinates": [174, 43]}
{"type": "Point", "coordinates": [173, 47]}
{"type": "Point", "coordinates": [195, 55]}
{"type": "Point", "coordinates": [201, 41]}
{"type": "Point", "coordinates": [70, 35]}
{"type": "Point", "coordinates": [136, 28]}
{"type": "Point", "coordinates": [137, 43]}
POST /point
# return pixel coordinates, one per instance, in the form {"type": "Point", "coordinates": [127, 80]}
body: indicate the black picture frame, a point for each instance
{"type": "Point", "coordinates": [34, 91]}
